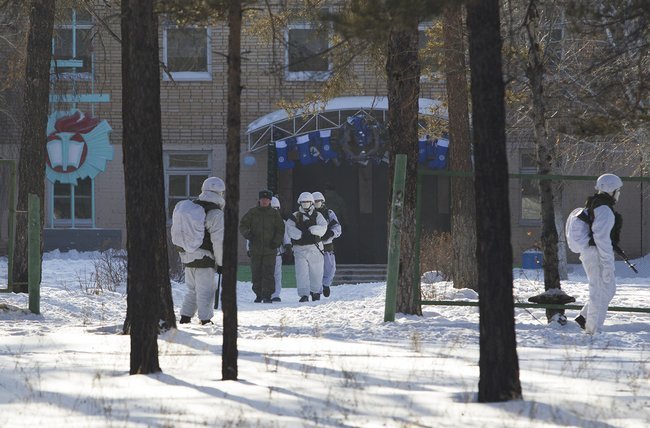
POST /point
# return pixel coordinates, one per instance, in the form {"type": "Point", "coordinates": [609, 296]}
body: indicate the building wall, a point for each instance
{"type": "Point", "coordinates": [194, 117]}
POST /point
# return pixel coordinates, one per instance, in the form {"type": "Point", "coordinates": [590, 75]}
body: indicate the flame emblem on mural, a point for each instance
{"type": "Point", "coordinates": [78, 146]}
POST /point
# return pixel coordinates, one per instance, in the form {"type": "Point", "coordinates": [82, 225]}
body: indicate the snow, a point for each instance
{"type": "Point", "coordinates": [328, 363]}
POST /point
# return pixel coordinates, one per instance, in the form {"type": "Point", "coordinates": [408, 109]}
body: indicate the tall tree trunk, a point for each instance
{"type": "Point", "coordinates": [546, 155]}
{"type": "Point", "coordinates": [31, 164]}
{"type": "Point", "coordinates": [403, 76]}
{"type": "Point", "coordinates": [499, 365]}
{"type": "Point", "coordinates": [146, 243]}
{"type": "Point", "coordinates": [229, 370]}
{"type": "Point", "coordinates": [463, 208]}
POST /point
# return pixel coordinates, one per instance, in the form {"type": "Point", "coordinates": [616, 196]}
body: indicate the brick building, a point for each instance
{"type": "Point", "coordinates": [89, 212]}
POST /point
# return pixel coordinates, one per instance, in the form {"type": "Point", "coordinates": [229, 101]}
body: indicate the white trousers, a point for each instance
{"type": "Point", "coordinates": [329, 268]}
{"type": "Point", "coordinates": [602, 288]}
{"type": "Point", "coordinates": [309, 269]}
{"type": "Point", "coordinates": [278, 276]}
{"type": "Point", "coordinates": [201, 286]}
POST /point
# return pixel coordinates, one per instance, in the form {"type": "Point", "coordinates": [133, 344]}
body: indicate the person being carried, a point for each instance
{"type": "Point", "coordinates": [201, 264]}
{"type": "Point", "coordinates": [598, 257]}
{"type": "Point", "coordinates": [333, 232]}
{"type": "Point", "coordinates": [305, 227]}
{"type": "Point", "coordinates": [263, 227]}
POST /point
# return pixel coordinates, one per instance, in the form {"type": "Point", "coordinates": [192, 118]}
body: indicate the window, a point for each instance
{"type": "Point", "coordinates": [531, 207]}
{"type": "Point", "coordinates": [72, 205]}
{"type": "Point", "coordinates": [184, 175]}
{"type": "Point", "coordinates": [187, 53]}
{"type": "Point", "coordinates": [426, 51]}
{"type": "Point", "coordinates": [72, 44]}
{"type": "Point", "coordinates": [305, 59]}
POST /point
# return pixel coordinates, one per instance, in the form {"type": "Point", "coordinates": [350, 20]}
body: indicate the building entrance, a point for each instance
{"type": "Point", "coordinates": [358, 195]}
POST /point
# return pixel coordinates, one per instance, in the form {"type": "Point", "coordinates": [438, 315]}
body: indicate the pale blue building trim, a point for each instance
{"type": "Point", "coordinates": [80, 98]}
{"type": "Point", "coordinates": [92, 201]}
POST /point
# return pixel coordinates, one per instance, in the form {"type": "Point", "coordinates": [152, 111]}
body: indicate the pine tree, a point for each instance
{"type": "Point", "coordinates": [499, 365]}
{"type": "Point", "coordinates": [463, 209]}
{"type": "Point", "coordinates": [148, 267]}
{"type": "Point", "coordinates": [31, 165]}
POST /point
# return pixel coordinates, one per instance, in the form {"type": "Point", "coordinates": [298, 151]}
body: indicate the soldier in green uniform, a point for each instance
{"type": "Point", "coordinates": [263, 227]}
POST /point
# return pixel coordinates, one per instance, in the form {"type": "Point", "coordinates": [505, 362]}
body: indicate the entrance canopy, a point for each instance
{"type": "Point", "coordinates": [326, 115]}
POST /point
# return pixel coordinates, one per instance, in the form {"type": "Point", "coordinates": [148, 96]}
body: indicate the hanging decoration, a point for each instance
{"type": "Point", "coordinates": [282, 148]}
{"type": "Point", "coordinates": [361, 142]}
{"type": "Point", "coordinates": [78, 146]}
{"type": "Point", "coordinates": [358, 142]}
{"type": "Point", "coordinates": [433, 153]}
{"type": "Point", "coordinates": [308, 148]}
{"type": "Point", "coordinates": [327, 152]}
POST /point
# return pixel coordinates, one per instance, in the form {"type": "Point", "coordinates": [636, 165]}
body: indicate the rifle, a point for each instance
{"type": "Point", "coordinates": [217, 294]}
{"type": "Point", "coordinates": [621, 253]}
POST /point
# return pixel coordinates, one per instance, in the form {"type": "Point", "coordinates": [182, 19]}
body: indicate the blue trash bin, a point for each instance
{"type": "Point", "coordinates": [531, 259]}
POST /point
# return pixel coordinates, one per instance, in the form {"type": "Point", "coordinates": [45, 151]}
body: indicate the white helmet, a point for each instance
{"type": "Point", "coordinates": [608, 183]}
{"type": "Point", "coordinates": [214, 184]}
{"type": "Point", "coordinates": [275, 203]}
{"type": "Point", "coordinates": [319, 200]}
{"type": "Point", "coordinates": [305, 197]}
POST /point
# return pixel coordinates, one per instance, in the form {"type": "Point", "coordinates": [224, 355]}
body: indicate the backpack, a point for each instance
{"type": "Point", "coordinates": [578, 230]}
{"type": "Point", "coordinates": [188, 224]}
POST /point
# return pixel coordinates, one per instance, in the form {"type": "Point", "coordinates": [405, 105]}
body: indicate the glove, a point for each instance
{"type": "Point", "coordinates": [328, 235]}
{"type": "Point", "coordinates": [302, 227]}
{"type": "Point", "coordinates": [219, 269]}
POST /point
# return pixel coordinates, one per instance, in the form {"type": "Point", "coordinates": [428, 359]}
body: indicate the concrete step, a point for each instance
{"type": "Point", "coordinates": [359, 273]}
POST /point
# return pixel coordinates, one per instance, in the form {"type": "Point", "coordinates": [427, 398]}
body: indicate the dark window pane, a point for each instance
{"type": "Point", "coordinates": [188, 161]}
{"type": "Point", "coordinates": [61, 189]}
{"type": "Point", "coordinates": [63, 45]}
{"type": "Point", "coordinates": [187, 49]}
{"type": "Point", "coordinates": [82, 208]}
{"type": "Point", "coordinates": [304, 48]}
{"type": "Point", "coordinates": [83, 188]}
{"type": "Point", "coordinates": [195, 184]}
{"type": "Point", "coordinates": [84, 17]}
{"type": "Point", "coordinates": [178, 185]}
{"type": "Point", "coordinates": [61, 208]}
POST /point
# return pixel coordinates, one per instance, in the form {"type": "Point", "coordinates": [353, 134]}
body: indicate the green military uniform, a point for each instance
{"type": "Point", "coordinates": [263, 227]}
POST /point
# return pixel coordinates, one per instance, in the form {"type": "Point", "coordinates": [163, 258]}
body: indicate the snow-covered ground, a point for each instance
{"type": "Point", "coordinates": [329, 363]}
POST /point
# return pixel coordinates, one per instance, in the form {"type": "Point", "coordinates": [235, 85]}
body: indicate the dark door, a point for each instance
{"type": "Point", "coordinates": [357, 194]}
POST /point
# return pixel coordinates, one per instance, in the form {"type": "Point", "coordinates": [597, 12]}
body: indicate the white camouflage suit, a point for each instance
{"type": "Point", "coordinates": [598, 262]}
{"type": "Point", "coordinates": [329, 267]}
{"type": "Point", "coordinates": [308, 257]}
{"type": "Point", "coordinates": [200, 281]}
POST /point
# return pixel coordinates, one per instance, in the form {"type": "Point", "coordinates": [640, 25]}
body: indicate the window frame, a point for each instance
{"type": "Point", "coordinates": [74, 25]}
{"type": "Point", "coordinates": [317, 76]}
{"type": "Point", "coordinates": [180, 171]}
{"type": "Point", "coordinates": [72, 222]}
{"type": "Point", "coordinates": [188, 76]}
